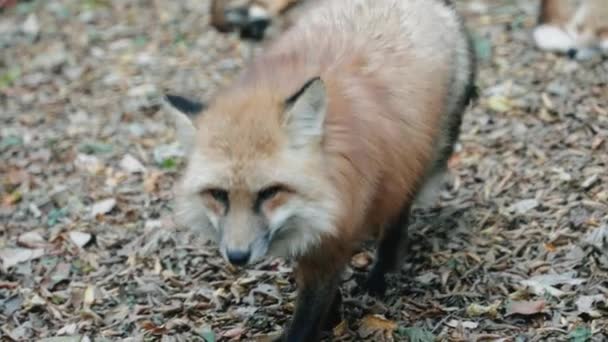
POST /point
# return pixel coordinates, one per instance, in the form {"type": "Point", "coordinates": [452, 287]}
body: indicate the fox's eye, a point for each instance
{"type": "Point", "coordinates": [219, 195]}
{"type": "Point", "coordinates": [269, 192]}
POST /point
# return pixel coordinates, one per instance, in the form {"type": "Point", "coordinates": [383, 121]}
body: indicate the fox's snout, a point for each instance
{"type": "Point", "coordinates": [238, 257]}
{"type": "Point", "coordinates": [244, 245]}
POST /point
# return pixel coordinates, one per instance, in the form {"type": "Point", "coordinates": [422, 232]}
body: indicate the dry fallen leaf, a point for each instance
{"type": "Point", "coordinates": [372, 324]}
{"type": "Point", "coordinates": [89, 295]}
{"type": "Point", "coordinates": [524, 206]}
{"type": "Point", "coordinates": [427, 278]}
{"type": "Point", "coordinates": [11, 199]}
{"type": "Point", "coordinates": [31, 240]}
{"type": "Point", "coordinates": [80, 239]}
{"type": "Point", "coordinates": [598, 237]}
{"type": "Point", "coordinates": [585, 304]}
{"type": "Point", "coordinates": [525, 307]}
{"type": "Point", "coordinates": [361, 260]}
{"type": "Point", "coordinates": [474, 309]}
{"type": "Point", "coordinates": [88, 163]}
{"type": "Point", "coordinates": [13, 256]}
{"type": "Point", "coordinates": [234, 332]}
{"type": "Point", "coordinates": [416, 334]}
{"type": "Point", "coordinates": [68, 329]}
{"type": "Point", "coordinates": [465, 324]}
{"type": "Point", "coordinates": [264, 289]}
{"type": "Point", "coordinates": [340, 329]}
{"type": "Point", "coordinates": [103, 207]}
{"type": "Point", "coordinates": [545, 283]}
{"type": "Point", "coordinates": [153, 328]}
{"type": "Point", "coordinates": [499, 104]}
{"type": "Point", "coordinates": [151, 181]}
{"type": "Point", "coordinates": [131, 164]}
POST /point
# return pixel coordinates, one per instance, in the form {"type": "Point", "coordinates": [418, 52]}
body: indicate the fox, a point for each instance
{"type": "Point", "coordinates": [324, 141]}
{"type": "Point", "coordinates": [253, 19]}
{"type": "Point", "coordinates": [577, 28]}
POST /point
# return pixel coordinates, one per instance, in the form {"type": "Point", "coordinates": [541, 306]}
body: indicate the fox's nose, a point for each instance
{"type": "Point", "coordinates": [571, 53]}
{"type": "Point", "coordinates": [237, 257]}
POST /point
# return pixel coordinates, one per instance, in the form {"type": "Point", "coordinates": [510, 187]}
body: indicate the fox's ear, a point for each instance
{"type": "Point", "coordinates": [305, 114]}
{"type": "Point", "coordinates": [183, 111]}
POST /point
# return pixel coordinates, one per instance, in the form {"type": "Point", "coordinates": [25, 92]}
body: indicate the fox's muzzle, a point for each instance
{"type": "Point", "coordinates": [240, 254]}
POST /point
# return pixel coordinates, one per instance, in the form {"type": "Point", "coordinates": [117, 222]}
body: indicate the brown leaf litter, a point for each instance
{"type": "Point", "coordinates": [515, 251]}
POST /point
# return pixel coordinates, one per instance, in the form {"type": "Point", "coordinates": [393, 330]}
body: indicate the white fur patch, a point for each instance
{"type": "Point", "coordinates": [299, 226]}
{"type": "Point", "coordinates": [258, 13]}
{"type": "Point", "coordinates": [552, 38]}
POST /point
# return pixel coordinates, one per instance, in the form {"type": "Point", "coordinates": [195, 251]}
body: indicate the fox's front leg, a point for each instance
{"type": "Point", "coordinates": [318, 303]}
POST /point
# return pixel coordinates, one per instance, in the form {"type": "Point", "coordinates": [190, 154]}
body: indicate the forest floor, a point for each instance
{"type": "Point", "coordinates": [516, 250]}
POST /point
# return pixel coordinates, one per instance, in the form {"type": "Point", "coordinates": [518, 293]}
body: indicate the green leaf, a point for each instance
{"type": "Point", "coordinates": [580, 334]}
{"type": "Point", "coordinates": [140, 41]}
{"type": "Point", "coordinates": [169, 164]}
{"type": "Point", "coordinates": [208, 335]}
{"type": "Point", "coordinates": [483, 47]}
{"type": "Point", "coordinates": [55, 215]}
{"type": "Point", "coordinates": [8, 77]}
{"type": "Point", "coordinates": [416, 334]}
{"type": "Point", "coordinates": [11, 140]}
{"type": "Point", "coordinates": [95, 148]}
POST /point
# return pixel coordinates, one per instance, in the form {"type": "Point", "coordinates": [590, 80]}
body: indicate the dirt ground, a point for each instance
{"type": "Point", "coordinates": [516, 251]}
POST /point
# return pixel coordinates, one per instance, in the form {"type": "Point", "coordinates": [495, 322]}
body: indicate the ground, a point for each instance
{"type": "Point", "coordinates": [515, 250]}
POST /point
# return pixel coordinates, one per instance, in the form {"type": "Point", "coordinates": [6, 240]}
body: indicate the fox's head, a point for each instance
{"type": "Point", "coordinates": [256, 178]}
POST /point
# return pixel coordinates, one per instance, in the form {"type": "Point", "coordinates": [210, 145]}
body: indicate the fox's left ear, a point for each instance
{"type": "Point", "coordinates": [305, 116]}
{"type": "Point", "coordinates": [183, 110]}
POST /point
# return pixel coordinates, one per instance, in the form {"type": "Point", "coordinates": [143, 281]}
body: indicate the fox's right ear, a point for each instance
{"type": "Point", "coordinates": [306, 113]}
{"type": "Point", "coordinates": [183, 110]}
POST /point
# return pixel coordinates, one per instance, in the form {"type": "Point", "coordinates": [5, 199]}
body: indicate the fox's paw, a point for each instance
{"type": "Point", "coordinates": [334, 316]}
{"type": "Point", "coordinates": [552, 38]}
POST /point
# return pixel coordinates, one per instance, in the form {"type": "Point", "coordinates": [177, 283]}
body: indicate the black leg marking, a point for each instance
{"type": "Point", "coordinates": [388, 253]}
{"type": "Point", "coordinates": [314, 310]}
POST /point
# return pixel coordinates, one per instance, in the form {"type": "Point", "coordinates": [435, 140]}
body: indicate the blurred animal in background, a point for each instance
{"type": "Point", "coordinates": [255, 20]}
{"type": "Point", "coordinates": [578, 28]}
{"type": "Point", "coordinates": [5, 4]}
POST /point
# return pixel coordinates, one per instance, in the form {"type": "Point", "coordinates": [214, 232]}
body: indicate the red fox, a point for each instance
{"type": "Point", "coordinates": [325, 140]}
{"type": "Point", "coordinates": [578, 28]}
{"type": "Point", "coordinates": [252, 18]}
